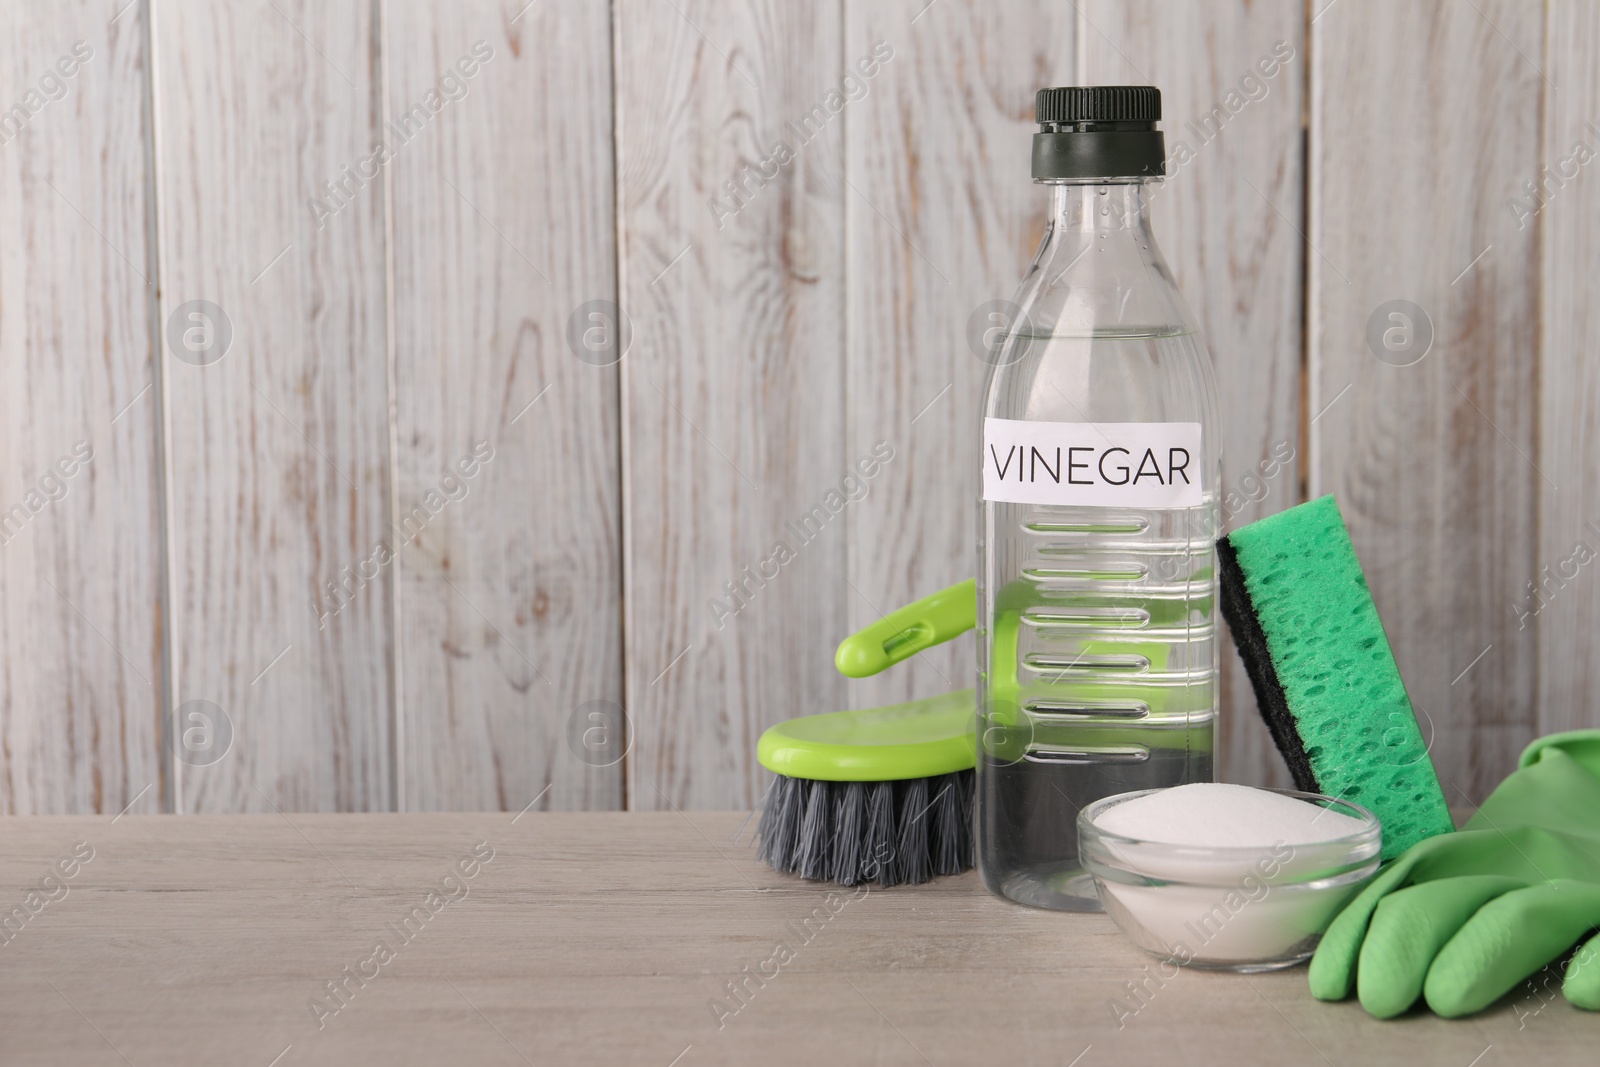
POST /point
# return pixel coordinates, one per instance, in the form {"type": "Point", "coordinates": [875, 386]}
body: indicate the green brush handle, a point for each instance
{"type": "Point", "coordinates": [935, 619]}
{"type": "Point", "coordinates": [901, 634]}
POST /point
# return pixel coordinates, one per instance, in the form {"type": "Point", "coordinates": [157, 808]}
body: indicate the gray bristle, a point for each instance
{"type": "Point", "coordinates": [849, 813]}
{"type": "Point", "coordinates": [951, 832]}
{"type": "Point", "coordinates": [878, 863]}
{"type": "Point", "coordinates": [881, 832]}
{"type": "Point", "coordinates": [811, 847]}
{"type": "Point", "coordinates": [968, 853]}
{"type": "Point", "coordinates": [780, 824]}
{"type": "Point", "coordinates": [912, 863]}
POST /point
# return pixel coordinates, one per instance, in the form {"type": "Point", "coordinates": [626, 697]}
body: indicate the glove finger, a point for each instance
{"type": "Point", "coordinates": [1582, 984]}
{"type": "Point", "coordinates": [1407, 932]}
{"type": "Point", "coordinates": [1332, 974]}
{"type": "Point", "coordinates": [1333, 968]}
{"type": "Point", "coordinates": [1508, 939]}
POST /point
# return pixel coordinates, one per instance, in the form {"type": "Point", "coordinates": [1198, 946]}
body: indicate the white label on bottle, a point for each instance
{"type": "Point", "coordinates": [1096, 464]}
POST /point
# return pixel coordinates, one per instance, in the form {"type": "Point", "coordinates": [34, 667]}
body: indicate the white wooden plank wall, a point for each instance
{"type": "Point", "coordinates": [1563, 603]}
{"type": "Point", "coordinates": [510, 594]}
{"type": "Point", "coordinates": [547, 325]}
{"type": "Point", "coordinates": [942, 220]}
{"type": "Point", "coordinates": [733, 388]}
{"type": "Point", "coordinates": [80, 651]}
{"type": "Point", "coordinates": [1230, 218]}
{"type": "Point", "coordinates": [279, 459]}
{"type": "Point", "coordinates": [1424, 121]}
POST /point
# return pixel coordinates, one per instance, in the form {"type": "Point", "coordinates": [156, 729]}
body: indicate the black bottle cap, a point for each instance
{"type": "Point", "coordinates": [1098, 131]}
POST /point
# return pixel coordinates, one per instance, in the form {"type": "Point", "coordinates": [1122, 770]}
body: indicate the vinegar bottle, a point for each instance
{"type": "Point", "coordinates": [1097, 649]}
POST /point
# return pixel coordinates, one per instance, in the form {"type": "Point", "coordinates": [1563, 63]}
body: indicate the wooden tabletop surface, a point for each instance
{"type": "Point", "coordinates": [611, 938]}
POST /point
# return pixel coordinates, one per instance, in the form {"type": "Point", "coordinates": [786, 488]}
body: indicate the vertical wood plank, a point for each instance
{"type": "Point", "coordinates": [279, 448]}
{"type": "Point", "coordinates": [1563, 601]}
{"type": "Point", "coordinates": [80, 550]}
{"type": "Point", "coordinates": [1231, 222]}
{"type": "Point", "coordinates": [1424, 118]}
{"type": "Point", "coordinates": [510, 588]}
{"type": "Point", "coordinates": [733, 388]}
{"type": "Point", "coordinates": [942, 220]}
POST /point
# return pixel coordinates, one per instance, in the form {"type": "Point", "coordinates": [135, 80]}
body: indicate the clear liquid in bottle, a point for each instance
{"type": "Point", "coordinates": [1097, 574]}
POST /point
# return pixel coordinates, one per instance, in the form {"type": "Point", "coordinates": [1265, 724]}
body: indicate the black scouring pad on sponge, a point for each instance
{"type": "Point", "coordinates": [1324, 676]}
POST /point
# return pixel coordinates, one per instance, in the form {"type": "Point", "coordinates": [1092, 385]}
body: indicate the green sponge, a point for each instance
{"type": "Point", "coordinates": [1324, 676]}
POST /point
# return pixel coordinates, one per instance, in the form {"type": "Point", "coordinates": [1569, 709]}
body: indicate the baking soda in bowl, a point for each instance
{"type": "Point", "coordinates": [1227, 876]}
{"type": "Point", "coordinates": [1224, 816]}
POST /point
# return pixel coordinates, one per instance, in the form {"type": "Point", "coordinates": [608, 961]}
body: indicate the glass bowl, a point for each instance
{"type": "Point", "coordinates": [1256, 908]}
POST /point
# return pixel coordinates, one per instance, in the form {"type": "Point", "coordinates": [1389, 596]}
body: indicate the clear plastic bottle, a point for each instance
{"type": "Point", "coordinates": [1097, 577]}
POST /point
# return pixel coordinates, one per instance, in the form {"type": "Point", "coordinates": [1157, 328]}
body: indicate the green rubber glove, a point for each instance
{"type": "Point", "coordinates": [1461, 918]}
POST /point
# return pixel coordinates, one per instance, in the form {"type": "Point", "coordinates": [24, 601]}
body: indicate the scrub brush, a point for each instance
{"type": "Point", "coordinates": [876, 795]}
{"type": "Point", "coordinates": [1324, 676]}
{"type": "Point", "coordinates": [884, 794]}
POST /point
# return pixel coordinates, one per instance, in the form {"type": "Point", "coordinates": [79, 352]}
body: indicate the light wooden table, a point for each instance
{"type": "Point", "coordinates": [609, 938]}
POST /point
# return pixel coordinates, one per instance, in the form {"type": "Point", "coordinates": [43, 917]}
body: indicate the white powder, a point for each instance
{"type": "Point", "coordinates": [1263, 898]}
{"type": "Point", "coordinates": [1211, 814]}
